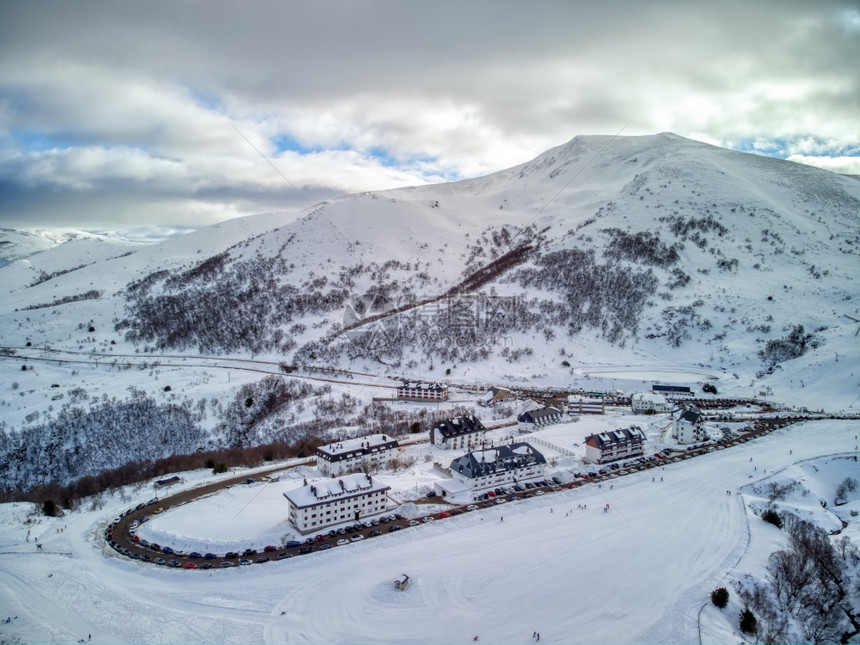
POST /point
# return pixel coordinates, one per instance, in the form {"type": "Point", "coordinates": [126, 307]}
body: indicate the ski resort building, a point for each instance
{"type": "Point", "coordinates": [529, 421]}
{"type": "Point", "coordinates": [459, 432]}
{"type": "Point", "coordinates": [686, 426]}
{"type": "Point", "coordinates": [496, 395]}
{"type": "Point", "coordinates": [614, 445]}
{"type": "Point", "coordinates": [673, 391]}
{"type": "Point", "coordinates": [585, 405]}
{"type": "Point", "coordinates": [643, 402]}
{"type": "Point", "coordinates": [419, 391]}
{"type": "Point", "coordinates": [365, 453]}
{"type": "Point", "coordinates": [493, 467]}
{"type": "Point", "coordinates": [335, 501]}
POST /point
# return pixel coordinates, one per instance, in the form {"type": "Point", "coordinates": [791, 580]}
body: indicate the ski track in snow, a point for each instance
{"type": "Point", "coordinates": [637, 573]}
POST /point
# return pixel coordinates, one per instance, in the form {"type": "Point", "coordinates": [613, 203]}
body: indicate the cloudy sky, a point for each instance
{"type": "Point", "coordinates": [135, 115]}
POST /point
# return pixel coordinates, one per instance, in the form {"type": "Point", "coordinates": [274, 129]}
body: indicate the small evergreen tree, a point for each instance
{"type": "Point", "coordinates": [49, 508]}
{"type": "Point", "coordinates": [415, 427]}
{"type": "Point", "coordinates": [720, 597]}
{"type": "Point", "coordinates": [772, 517]}
{"type": "Point", "coordinates": [220, 467]}
{"type": "Point", "coordinates": [749, 624]}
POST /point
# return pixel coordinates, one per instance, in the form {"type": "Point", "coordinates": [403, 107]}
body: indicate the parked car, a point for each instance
{"type": "Point", "coordinates": [342, 542]}
{"type": "Point", "coordinates": [231, 554]}
{"type": "Point", "coordinates": [250, 552]}
{"type": "Point", "coordinates": [283, 555]}
{"type": "Point", "coordinates": [326, 546]}
{"type": "Point", "coordinates": [160, 561]}
{"type": "Point", "coordinates": [189, 565]}
{"type": "Point", "coordinates": [394, 527]}
{"type": "Point", "coordinates": [262, 559]}
{"type": "Point", "coordinates": [244, 562]}
{"type": "Point", "coordinates": [356, 538]}
{"type": "Point", "coordinates": [292, 543]}
{"type": "Point", "coordinates": [209, 556]}
{"type": "Point", "coordinates": [226, 563]}
{"type": "Point", "coordinates": [305, 549]}
{"type": "Point", "coordinates": [270, 548]}
{"type": "Point", "coordinates": [195, 555]}
{"type": "Point", "coordinates": [374, 533]}
{"type": "Point", "coordinates": [444, 514]}
{"type": "Point", "coordinates": [471, 507]}
{"type": "Point", "coordinates": [205, 565]}
{"type": "Point", "coordinates": [414, 522]}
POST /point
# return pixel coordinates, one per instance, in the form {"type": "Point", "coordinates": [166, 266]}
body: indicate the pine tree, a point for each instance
{"type": "Point", "coordinates": [749, 624]}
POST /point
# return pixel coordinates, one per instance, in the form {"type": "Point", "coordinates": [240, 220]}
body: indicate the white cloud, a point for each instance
{"type": "Point", "coordinates": [843, 165]}
{"type": "Point", "coordinates": [139, 101]}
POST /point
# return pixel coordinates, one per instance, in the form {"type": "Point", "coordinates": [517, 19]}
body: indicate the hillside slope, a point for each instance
{"type": "Point", "coordinates": [603, 253]}
{"type": "Point", "coordinates": [669, 246]}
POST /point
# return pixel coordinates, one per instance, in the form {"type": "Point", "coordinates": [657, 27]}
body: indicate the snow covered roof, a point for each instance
{"type": "Point", "coordinates": [452, 486]}
{"type": "Point", "coordinates": [341, 450]}
{"type": "Point", "coordinates": [649, 397]}
{"type": "Point", "coordinates": [330, 490]}
{"type": "Point", "coordinates": [632, 434]}
{"type": "Point", "coordinates": [422, 385]}
{"type": "Point", "coordinates": [543, 413]}
{"type": "Point", "coordinates": [459, 426]}
{"type": "Point", "coordinates": [501, 458]}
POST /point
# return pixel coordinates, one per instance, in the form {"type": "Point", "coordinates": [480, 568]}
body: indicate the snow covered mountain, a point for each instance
{"type": "Point", "coordinates": [605, 251]}
{"type": "Point", "coordinates": [17, 245]}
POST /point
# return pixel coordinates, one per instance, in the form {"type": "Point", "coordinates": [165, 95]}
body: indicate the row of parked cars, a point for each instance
{"type": "Point", "coordinates": [198, 560]}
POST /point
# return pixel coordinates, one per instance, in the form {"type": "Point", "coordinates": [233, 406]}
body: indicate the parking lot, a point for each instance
{"type": "Point", "coordinates": [121, 533]}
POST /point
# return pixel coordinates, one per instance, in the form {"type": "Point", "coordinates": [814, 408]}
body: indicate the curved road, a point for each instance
{"type": "Point", "coordinates": [118, 536]}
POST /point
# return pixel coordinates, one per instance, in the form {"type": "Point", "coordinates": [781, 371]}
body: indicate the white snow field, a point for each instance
{"type": "Point", "coordinates": [558, 564]}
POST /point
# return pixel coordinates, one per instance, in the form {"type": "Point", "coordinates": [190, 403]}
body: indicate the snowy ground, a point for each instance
{"type": "Point", "coordinates": [640, 572]}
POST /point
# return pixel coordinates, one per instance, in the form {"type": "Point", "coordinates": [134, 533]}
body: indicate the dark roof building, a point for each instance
{"type": "Point", "coordinates": [492, 467]}
{"type": "Point", "coordinates": [614, 445]}
{"type": "Point", "coordinates": [458, 432]}
{"type": "Point", "coordinates": [673, 391]}
{"type": "Point", "coordinates": [354, 454]}
{"type": "Point", "coordinates": [687, 426]}
{"type": "Point", "coordinates": [542, 417]}
{"type": "Point", "coordinates": [420, 391]}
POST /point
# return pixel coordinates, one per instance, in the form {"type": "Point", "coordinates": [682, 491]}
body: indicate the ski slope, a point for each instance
{"type": "Point", "coordinates": [639, 572]}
